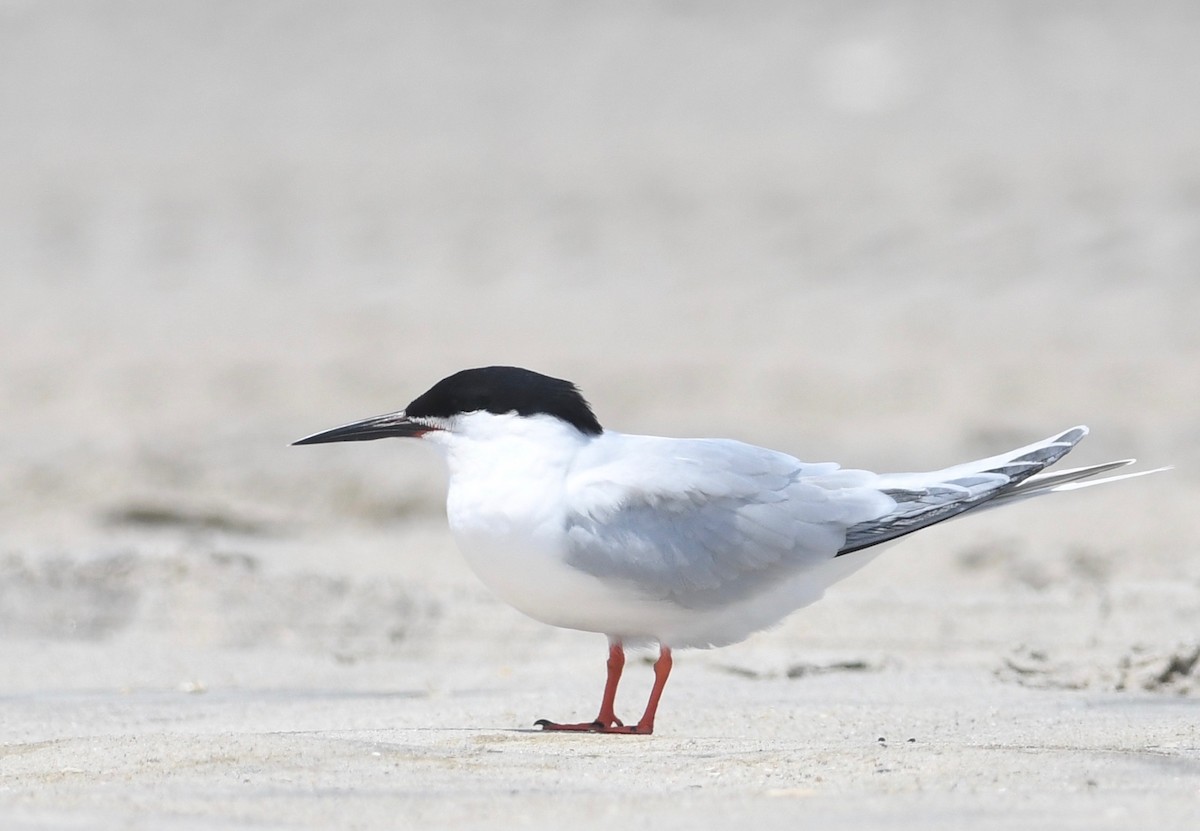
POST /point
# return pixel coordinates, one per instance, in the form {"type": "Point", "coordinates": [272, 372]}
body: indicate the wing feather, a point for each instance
{"type": "Point", "coordinates": [703, 522]}
{"type": "Point", "coordinates": [924, 499]}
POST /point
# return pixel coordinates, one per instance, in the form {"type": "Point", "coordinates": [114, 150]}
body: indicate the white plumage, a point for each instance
{"type": "Point", "coordinates": [680, 542]}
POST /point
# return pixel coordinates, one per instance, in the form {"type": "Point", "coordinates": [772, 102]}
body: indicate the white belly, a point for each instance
{"type": "Point", "coordinates": [510, 524]}
{"type": "Point", "coordinates": [528, 572]}
{"type": "Point", "coordinates": [530, 575]}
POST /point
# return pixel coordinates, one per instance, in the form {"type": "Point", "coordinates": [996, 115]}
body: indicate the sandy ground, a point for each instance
{"type": "Point", "coordinates": [895, 235]}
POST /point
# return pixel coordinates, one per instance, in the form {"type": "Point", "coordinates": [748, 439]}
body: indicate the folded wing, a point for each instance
{"type": "Point", "coordinates": [706, 522]}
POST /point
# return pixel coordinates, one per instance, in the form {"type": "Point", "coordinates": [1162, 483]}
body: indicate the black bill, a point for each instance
{"type": "Point", "coordinates": [392, 425]}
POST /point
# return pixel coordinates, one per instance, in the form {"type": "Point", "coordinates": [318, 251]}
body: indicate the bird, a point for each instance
{"type": "Point", "coordinates": [670, 542]}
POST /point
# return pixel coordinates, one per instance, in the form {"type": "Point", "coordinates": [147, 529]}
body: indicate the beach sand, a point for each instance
{"type": "Point", "coordinates": [895, 236]}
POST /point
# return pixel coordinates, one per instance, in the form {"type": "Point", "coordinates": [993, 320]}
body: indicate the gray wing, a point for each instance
{"type": "Point", "coordinates": [705, 522]}
{"type": "Point", "coordinates": [924, 499]}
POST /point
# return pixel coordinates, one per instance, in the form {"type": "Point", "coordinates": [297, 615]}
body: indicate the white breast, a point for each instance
{"type": "Point", "coordinates": [505, 507]}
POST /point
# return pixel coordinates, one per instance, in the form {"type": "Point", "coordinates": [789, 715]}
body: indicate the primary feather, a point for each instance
{"type": "Point", "coordinates": [923, 499]}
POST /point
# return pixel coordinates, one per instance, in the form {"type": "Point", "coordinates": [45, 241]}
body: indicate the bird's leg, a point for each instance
{"type": "Point", "coordinates": [662, 668]}
{"type": "Point", "coordinates": [616, 664]}
{"type": "Point", "coordinates": [606, 719]}
{"type": "Point", "coordinates": [645, 726]}
{"type": "Point", "coordinates": [606, 722]}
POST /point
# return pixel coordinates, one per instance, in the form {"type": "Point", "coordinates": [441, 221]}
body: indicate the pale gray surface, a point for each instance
{"type": "Point", "coordinates": [896, 235]}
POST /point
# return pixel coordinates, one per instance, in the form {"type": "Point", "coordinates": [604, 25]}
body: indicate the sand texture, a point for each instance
{"type": "Point", "coordinates": [895, 235]}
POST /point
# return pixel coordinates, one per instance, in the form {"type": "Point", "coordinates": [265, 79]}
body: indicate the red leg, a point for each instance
{"type": "Point", "coordinates": [606, 722]}
{"type": "Point", "coordinates": [662, 669]}
{"type": "Point", "coordinates": [616, 664]}
{"type": "Point", "coordinates": [606, 719]}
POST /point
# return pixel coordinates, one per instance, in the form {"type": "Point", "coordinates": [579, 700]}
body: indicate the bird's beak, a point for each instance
{"type": "Point", "coordinates": [392, 425]}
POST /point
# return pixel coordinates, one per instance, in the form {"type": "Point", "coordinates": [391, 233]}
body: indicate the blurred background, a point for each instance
{"type": "Point", "coordinates": [895, 234]}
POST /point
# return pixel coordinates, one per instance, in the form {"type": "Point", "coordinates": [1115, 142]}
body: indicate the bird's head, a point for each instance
{"type": "Point", "coordinates": [476, 401]}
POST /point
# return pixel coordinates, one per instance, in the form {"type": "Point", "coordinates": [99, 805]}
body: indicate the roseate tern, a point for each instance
{"type": "Point", "coordinates": [674, 542]}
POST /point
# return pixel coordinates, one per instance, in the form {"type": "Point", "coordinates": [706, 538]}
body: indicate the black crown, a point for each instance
{"type": "Point", "coordinates": [506, 389]}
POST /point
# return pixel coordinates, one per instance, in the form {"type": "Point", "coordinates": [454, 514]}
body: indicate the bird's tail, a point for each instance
{"type": "Point", "coordinates": [1067, 480]}
{"type": "Point", "coordinates": [924, 499]}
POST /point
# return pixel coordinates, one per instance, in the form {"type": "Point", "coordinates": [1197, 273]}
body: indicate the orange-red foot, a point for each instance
{"type": "Point", "coordinates": [630, 730]}
{"type": "Point", "coordinates": [615, 726]}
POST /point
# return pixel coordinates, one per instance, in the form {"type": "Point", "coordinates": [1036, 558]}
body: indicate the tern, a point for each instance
{"type": "Point", "coordinates": [672, 542]}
